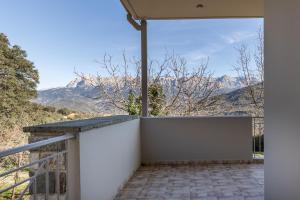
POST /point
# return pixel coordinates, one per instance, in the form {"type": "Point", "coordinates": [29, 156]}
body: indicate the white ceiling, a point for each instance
{"type": "Point", "coordinates": [194, 9]}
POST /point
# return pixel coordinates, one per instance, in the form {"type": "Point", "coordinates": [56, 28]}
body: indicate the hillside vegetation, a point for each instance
{"type": "Point", "coordinates": [18, 85]}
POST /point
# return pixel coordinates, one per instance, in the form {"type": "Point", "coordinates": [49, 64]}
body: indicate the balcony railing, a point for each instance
{"type": "Point", "coordinates": [258, 137]}
{"type": "Point", "coordinates": [52, 164]}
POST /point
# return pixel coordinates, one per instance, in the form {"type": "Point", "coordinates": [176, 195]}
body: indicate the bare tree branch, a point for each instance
{"type": "Point", "coordinates": [250, 75]}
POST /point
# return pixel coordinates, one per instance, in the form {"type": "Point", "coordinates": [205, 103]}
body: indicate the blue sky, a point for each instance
{"type": "Point", "coordinates": [60, 35]}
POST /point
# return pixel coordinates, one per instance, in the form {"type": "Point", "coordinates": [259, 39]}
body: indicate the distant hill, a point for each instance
{"type": "Point", "coordinates": [235, 103]}
{"type": "Point", "coordinates": [80, 94]}
{"type": "Point", "coordinates": [72, 98]}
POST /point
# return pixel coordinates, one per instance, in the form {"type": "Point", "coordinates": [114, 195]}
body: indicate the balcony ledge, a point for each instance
{"type": "Point", "coordinates": [77, 126]}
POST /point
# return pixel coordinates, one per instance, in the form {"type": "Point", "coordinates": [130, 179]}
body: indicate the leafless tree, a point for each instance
{"type": "Point", "coordinates": [250, 68]}
{"type": "Point", "coordinates": [120, 79]}
{"type": "Point", "coordinates": [187, 90]}
{"type": "Point", "coordinates": [117, 81]}
{"type": "Point", "coordinates": [193, 89]}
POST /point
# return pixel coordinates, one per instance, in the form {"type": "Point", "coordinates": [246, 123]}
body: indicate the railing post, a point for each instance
{"type": "Point", "coordinates": [73, 169]}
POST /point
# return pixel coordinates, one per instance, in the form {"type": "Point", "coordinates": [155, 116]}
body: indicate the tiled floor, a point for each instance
{"type": "Point", "coordinates": [202, 182]}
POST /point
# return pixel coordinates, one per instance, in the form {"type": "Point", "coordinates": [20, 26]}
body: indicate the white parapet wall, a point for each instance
{"type": "Point", "coordinates": [108, 157]}
{"type": "Point", "coordinates": [196, 139]}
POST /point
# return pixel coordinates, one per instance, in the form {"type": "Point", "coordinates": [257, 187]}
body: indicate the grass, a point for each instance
{"type": "Point", "coordinates": [259, 155]}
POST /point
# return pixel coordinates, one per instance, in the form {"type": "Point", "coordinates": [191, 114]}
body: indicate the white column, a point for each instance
{"type": "Point", "coordinates": [282, 99]}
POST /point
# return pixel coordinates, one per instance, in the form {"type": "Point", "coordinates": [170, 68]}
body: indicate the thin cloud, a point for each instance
{"type": "Point", "coordinates": [238, 36]}
{"type": "Point", "coordinates": [207, 49]}
{"type": "Point", "coordinates": [203, 53]}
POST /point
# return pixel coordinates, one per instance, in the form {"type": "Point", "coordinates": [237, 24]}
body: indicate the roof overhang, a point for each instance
{"type": "Point", "coordinates": [193, 9]}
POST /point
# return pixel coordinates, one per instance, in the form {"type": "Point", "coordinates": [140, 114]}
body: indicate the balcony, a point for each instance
{"type": "Point", "coordinates": [126, 157]}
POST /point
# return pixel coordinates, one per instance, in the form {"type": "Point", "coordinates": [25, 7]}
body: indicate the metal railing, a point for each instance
{"type": "Point", "coordinates": [38, 167]}
{"type": "Point", "coordinates": [258, 137]}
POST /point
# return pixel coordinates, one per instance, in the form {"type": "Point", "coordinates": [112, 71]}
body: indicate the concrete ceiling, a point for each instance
{"type": "Point", "coordinates": [193, 9]}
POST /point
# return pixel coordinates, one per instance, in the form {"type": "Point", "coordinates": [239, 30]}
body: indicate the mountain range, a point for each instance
{"type": "Point", "coordinates": [81, 95]}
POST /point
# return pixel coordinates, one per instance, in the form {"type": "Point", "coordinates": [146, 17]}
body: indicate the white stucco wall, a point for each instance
{"type": "Point", "coordinates": [108, 157]}
{"type": "Point", "coordinates": [282, 99]}
{"type": "Point", "coordinates": [196, 139]}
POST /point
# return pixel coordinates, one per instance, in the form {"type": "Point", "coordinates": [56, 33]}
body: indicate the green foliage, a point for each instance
{"type": "Point", "coordinates": [133, 105]}
{"type": "Point", "coordinates": [156, 99]}
{"type": "Point", "coordinates": [18, 80]}
{"type": "Point", "coordinates": [139, 104]}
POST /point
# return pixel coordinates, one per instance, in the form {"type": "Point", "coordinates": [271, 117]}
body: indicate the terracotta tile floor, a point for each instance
{"type": "Point", "coordinates": [189, 182]}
